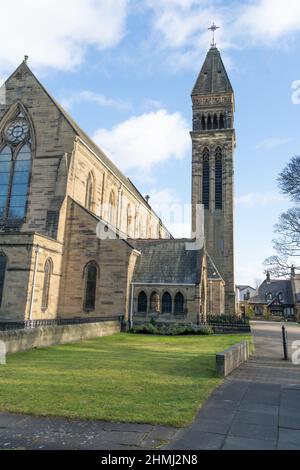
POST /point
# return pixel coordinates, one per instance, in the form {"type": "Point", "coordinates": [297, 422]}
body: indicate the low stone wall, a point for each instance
{"type": "Point", "coordinates": [45, 336]}
{"type": "Point", "coordinates": [232, 358]}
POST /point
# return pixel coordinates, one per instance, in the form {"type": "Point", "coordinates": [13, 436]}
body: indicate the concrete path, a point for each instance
{"type": "Point", "coordinates": [31, 433]}
{"type": "Point", "coordinates": [257, 407]}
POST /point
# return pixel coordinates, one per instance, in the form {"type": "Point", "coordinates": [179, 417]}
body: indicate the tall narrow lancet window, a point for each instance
{"type": "Point", "coordinates": [167, 303]}
{"type": "Point", "coordinates": [205, 180]}
{"type": "Point", "coordinates": [89, 192]}
{"type": "Point", "coordinates": [142, 302]}
{"type": "Point", "coordinates": [179, 304]}
{"type": "Point", "coordinates": [112, 209]}
{"type": "Point", "coordinates": [209, 122]}
{"type": "Point", "coordinates": [203, 124]}
{"type": "Point", "coordinates": [219, 178]}
{"type": "Point", "coordinates": [3, 264]}
{"type": "Point", "coordinates": [222, 122]}
{"type": "Point", "coordinates": [216, 123]}
{"type": "Point", "coordinates": [46, 287]}
{"type": "Point", "coordinates": [154, 302]}
{"type": "Point", "coordinates": [15, 166]}
{"type": "Point", "coordinates": [91, 274]}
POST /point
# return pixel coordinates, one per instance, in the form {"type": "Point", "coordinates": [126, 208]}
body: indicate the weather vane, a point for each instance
{"type": "Point", "coordinates": [213, 29]}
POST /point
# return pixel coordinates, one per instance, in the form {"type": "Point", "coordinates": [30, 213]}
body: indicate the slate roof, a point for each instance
{"type": "Point", "coordinates": [90, 143]}
{"type": "Point", "coordinates": [212, 271]}
{"type": "Point", "coordinates": [275, 287]}
{"type": "Point", "coordinates": [167, 262]}
{"type": "Point", "coordinates": [213, 77]}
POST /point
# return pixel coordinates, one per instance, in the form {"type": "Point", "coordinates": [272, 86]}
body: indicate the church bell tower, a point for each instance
{"type": "Point", "coordinates": [213, 139]}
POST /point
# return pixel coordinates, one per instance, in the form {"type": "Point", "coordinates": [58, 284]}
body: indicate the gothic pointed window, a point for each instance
{"type": "Point", "coordinates": [3, 264]}
{"type": "Point", "coordinates": [179, 304]}
{"type": "Point", "coordinates": [89, 192]}
{"type": "Point", "coordinates": [91, 275]}
{"type": "Point", "coordinates": [209, 122]}
{"type": "Point", "coordinates": [205, 178]}
{"type": "Point", "coordinates": [154, 302]}
{"type": "Point", "coordinates": [222, 122]}
{"type": "Point", "coordinates": [142, 302]}
{"type": "Point", "coordinates": [46, 286]}
{"type": "Point", "coordinates": [203, 124]}
{"type": "Point", "coordinates": [218, 179]}
{"type": "Point", "coordinates": [112, 209]}
{"type": "Point", "coordinates": [167, 303]}
{"type": "Point", "coordinates": [15, 166]}
{"type": "Point", "coordinates": [215, 123]}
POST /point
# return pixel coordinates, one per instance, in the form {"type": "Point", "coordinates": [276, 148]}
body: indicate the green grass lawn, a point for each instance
{"type": "Point", "coordinates": [126, 378]}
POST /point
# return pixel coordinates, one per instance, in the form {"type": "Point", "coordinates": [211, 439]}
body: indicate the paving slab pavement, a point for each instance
{"type": "Point", "coordinates": [258, 405]}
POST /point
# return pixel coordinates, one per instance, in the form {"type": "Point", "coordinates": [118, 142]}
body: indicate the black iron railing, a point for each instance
{"type": "Point", "coordinates": [29, 324]}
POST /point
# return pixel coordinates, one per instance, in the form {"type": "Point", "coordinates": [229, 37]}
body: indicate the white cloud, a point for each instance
{"type": "Point", "coordinates": [254, 199]}
{"type": "Point", "coordinates": [271, 143]}
{"type": "Point", "coordinates": [181, 26]}
{"type": "Point", "coordinates": [267, 20]}
{"type": "Point", "coordinates": [88, 96]}
{"type": "Point", "coordinates": [55, 33]}
{"type": "Point", "coordinates": [144, 141]}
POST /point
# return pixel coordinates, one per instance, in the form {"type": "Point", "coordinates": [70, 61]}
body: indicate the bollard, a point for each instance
{"type": "Point", "coordinates": [285, 347]}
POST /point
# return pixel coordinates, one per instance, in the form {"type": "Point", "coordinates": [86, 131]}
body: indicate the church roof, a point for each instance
{"type": "Point", "coordinates": [167, 262]}
{"type": "Point", "coordinates": [274, 287]}
{"type": "Point", "coordinates": [212, 271]}
{"type": "Point", "coordinates": [213, 77]}
{"type": "Point", "coordinates": [86, 139]}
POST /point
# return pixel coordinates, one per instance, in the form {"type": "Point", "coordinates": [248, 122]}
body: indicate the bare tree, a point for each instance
{"type": "Point", "coordinates": [289, 179]}
{"type": "Point", "coordinates": [287, 243]}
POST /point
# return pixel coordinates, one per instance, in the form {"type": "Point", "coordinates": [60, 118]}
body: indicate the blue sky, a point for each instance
{"type": "Point", "coordinates": [125, 71]}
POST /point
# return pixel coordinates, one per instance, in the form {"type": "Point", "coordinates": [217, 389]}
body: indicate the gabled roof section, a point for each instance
{"type": "Point", "coordinates": [167, 262]}
{"type": "Point", "coordinates": [213, 77]}
{"type": "Point", "coordinates": [274, 287]}
{"type": "Point", "coordinates": [84, 137]}
{"type": "Point", "coordinates": [212, 272]}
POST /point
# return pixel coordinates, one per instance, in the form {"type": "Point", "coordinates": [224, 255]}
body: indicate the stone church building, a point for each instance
{"type": "Point", "coordinates": [77, 238]}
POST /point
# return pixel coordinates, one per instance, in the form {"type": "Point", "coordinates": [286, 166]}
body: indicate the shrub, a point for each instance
{"type": "Point", "coordinates": [172, 330]}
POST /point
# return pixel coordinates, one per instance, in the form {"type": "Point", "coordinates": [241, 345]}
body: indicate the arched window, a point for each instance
{"type": "Point", "coordinates": [142, 303]}
{"type": "Point", "coordinates": [218, 178]}
{"type": "Point", "coordinates": [46, 287]}
{"type": "Point", "coordinates": [89, 197]}
{"type": "Point", "coordinates": [167, 303]}
{"type": "Point", "coordinates": [205, 178]}
{"type": "Point", "coordinates": [3, 264]}
{"type": "Point", "coordinates": [203, 123]}
{"type": "Point", "coordinates": [91, 275]}
{"type": "Point", "coordinates": [154, 302]}
{"type": "Point", "coordinates": [222, 122]}
{"type": "Point", "coordinates": [216, 123]}
{"type": "Point", "coordinates": [179, 304]}
{"type": "Point", "coordinates": [15, 164]}
{"type": "Point", "coordinates": [112, 209]}
{"type": "Point", "coordinates": [129, 220]}
{"type": "Point", "coordinates": [209, 122]}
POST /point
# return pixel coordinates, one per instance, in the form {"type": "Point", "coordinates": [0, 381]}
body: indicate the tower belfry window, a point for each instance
{"type": "Point", "coordinates": [205, 178]}
{"type": "Point", "coordinates": [218, 178]}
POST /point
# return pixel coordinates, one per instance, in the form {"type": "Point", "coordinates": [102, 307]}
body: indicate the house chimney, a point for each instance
{"type": "Point", "coordinates": [268, 277]}
{"type": "Point", "coordinates": [293, 271]}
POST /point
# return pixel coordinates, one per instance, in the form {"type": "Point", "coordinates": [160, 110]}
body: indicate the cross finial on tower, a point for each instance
{"type": "Point", "coordinates": [213, 29]}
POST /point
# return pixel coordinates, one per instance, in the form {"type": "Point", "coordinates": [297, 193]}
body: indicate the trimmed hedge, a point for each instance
{"type": "Point", "coordinates": [172, 330]}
